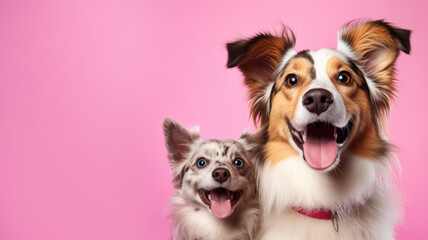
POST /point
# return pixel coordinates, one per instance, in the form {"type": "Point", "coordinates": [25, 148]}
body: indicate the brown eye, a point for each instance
{"type": "Point", "coordinates": [291, 80]}
{"type": "Point", "coordinates": [344, 77]}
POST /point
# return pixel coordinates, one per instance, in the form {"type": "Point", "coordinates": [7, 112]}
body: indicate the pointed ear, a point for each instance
{"type": "Point", "coordinates": [178, 142]}
{"type": "Point", "coordinates": [258, 58]}
{"type": "Point", "coordinates": [254, 143]}
{"type": "Point", "coordinates": [375, 46]}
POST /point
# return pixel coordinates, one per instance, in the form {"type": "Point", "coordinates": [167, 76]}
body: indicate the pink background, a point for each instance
{"type": "Point", "coordinates": [85, 85]}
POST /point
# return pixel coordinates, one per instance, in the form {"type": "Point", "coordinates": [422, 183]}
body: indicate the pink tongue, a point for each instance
{"type": "Point", "coordinates": [220, 204]}
{"type": "Point", "coordinates": [320, 148]}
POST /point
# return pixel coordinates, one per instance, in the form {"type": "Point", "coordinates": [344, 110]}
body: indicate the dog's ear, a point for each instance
{"type": "Point", "coordinates": [178, 142]}
{"type": "Point", "coordinates": [375, 46]}
{"type": "Point", "coordinates": [254, 143]}
{"type": "Point", "coordinates": [258, 58]}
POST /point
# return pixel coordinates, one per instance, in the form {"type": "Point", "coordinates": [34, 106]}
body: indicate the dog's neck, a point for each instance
{"type": "Point", "coordinates": [287, 180]}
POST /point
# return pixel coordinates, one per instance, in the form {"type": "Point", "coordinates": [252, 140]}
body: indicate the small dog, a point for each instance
{"type": "Point", "coordinates": [215, 185]}
{"type": "Point", "coordinates": [327, 159]}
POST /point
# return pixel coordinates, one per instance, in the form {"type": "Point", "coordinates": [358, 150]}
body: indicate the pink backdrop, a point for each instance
{"type": "Point", "coordinates": [84, 86]}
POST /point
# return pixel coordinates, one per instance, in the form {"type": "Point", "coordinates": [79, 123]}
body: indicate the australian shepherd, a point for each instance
{"type": "Point", "coordinates": [327, 160]}
{"type": "Point", "coordinates": [215, 185]}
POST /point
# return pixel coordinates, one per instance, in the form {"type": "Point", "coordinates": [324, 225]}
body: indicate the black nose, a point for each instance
{"type": "Point", "coordinates": [221, 175]}
{"type": "Point", "coordinates": [317, 100]}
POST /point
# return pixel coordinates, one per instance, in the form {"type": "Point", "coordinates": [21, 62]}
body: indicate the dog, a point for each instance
{"type": "Point", "coordinates": [215, 185]}
{"type": "Point", "coordinates": [327, 160]}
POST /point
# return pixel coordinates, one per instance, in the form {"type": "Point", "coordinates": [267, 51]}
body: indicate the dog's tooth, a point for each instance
{"type": "Point", "coordinates": [209, 196]}
{"type": "Point", "coordinates": [304, 134]}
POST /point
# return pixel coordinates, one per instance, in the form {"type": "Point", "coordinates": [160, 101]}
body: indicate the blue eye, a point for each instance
{"type": "Point", "coordinates": [201, 163]}
{"type": "Point", "coordinates": [238, 162]}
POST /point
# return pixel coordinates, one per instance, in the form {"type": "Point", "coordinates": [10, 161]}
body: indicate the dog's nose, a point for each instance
{"type": "Point", "coordinates": [221, 175]}
{"type": "Point", "coordinates": [317, 100]}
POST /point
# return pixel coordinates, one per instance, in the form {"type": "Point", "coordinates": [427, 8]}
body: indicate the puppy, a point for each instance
{"type": "Point", "coordinates": [326, 167]}
{"type": "Point", "coordinates": [215, 194]}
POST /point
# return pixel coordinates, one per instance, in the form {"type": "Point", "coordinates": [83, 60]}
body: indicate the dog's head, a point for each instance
{"type": "Point", "coordinates": [321, 103]}
{"type": "Point", "coordinates": [216, 174]}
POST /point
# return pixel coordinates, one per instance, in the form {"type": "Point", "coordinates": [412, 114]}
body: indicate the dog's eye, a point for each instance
{"type": "Point", "coordinates": [291, 80]}
{"type": "Point", "coordinates": [238, 162]}
{"type": "Point", "coordinates": [201, 163]}
{"type": "Point", "coordinates": [344, 77]}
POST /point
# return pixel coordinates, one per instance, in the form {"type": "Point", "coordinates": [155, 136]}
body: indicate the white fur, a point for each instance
{"type": "Point", "coordinates": [192, 218]}
{"type": "Point", "coordinates": [266, 96]}
{"type": "Point", "coordinates": [361, 196]}
{"type": "Point", "coordinates": [287, 56]}
{"type": "Point", "coordinates": [364, 205]}
{"type": "Point", "coordinates": [344, 47]}
{"type": "Point", "coordinates": [336, 113]}
{"type": "Point", "coordinates": [191, 224]}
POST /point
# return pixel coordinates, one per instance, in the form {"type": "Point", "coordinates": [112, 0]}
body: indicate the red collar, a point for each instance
{"type": "Point", "coordinates": [317, 213]}
{"type": "Point", "coordinates": [320, 214]}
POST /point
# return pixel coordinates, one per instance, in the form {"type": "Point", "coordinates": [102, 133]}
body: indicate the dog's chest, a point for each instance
{"type": "Point", "coordinates": [202, 225]}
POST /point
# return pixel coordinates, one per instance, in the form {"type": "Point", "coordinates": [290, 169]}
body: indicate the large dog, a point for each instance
{"type": "Point", "coordinates": [326, 166]}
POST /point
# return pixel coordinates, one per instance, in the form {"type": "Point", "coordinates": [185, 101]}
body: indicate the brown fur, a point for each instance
{"type": "Point", "coordinates": [364, 140]}
{"type": "Point", "coordinates": [377, 44]}
{"type": "Point", "coordinates": [284, 104]}
{"type": "Point", "coordinates": [258, 58]}
{"type": "Point", "coordinates": [353, 188]}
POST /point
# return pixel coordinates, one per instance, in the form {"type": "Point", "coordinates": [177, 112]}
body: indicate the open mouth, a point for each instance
{"type": "Point", "coordinates": [320, 142]}
{"type": "Point", "coordinates": [220, 200]}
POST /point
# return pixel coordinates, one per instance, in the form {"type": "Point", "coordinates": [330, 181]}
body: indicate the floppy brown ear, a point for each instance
{"type": "Point", "coordinates": [178, 142]}
{"type": "Point", "coordinates": [258, 58]}
{"type": "Point", "coordinates": [375, 45]}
